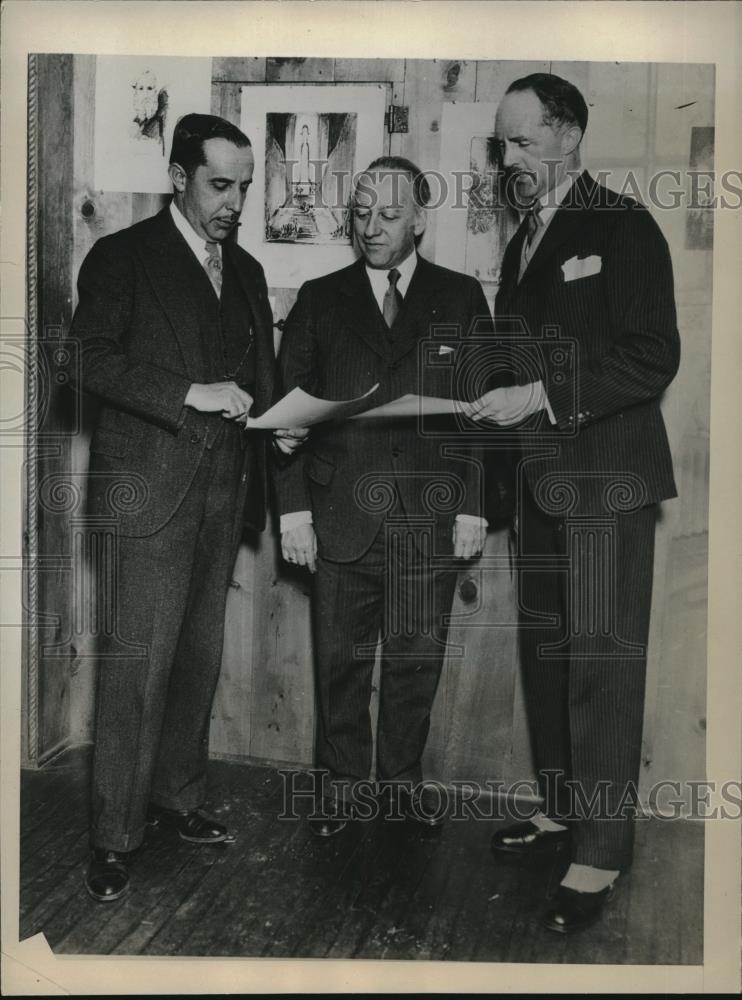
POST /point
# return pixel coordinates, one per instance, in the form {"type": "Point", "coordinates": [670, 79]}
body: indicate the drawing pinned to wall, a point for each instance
{"type": "Point", "coordinates": [475, 217]}
{"type": "Point", "coordinates": [305, 156]}
{"type": "Point", "coordinates": [489, 223]}
{"type": "Point", "coordinates": [699, 226]}
{"type": "Point", "coordinates": [138, 100]}
{"type": "Point", "coordinates": [308, 144]}
{"type": "Point", "coordinates": [150, 109]}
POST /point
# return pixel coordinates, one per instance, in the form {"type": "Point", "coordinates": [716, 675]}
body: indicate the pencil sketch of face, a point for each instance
{"type": "Point", "coordinates": [145, 97]}
{"type": "Point", "coordinates": [150, 109]}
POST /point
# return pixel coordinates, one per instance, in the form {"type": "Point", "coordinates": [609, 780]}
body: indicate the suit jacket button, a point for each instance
{"type": "Point", "coordinates": [195, 438]}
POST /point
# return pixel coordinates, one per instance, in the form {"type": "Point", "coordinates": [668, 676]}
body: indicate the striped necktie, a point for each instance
{"type": "Point", "coordinates": [534, 222]}
{"type": "Point", "coordinates": [213, 266]}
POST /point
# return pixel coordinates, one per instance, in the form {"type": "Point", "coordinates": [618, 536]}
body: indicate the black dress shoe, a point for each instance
{"type": "Point", "coordinates": [107, 877]}
{"type": "Point", "coordinates": [571, 910]}
{"type": "Point", "coordinates": [527, 838]}
{"type": "Point", "coordinates": [190, 826]}
{"type": "Point", "coordinates": [325, 826]}
{"type": "Point", "coordinates": [424, 806]}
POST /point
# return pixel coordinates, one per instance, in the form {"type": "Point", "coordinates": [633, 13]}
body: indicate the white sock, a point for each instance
{"type": "Point", "coordinates": [544, 823]}
{"type": "Point", "coordinates": [585, 878]}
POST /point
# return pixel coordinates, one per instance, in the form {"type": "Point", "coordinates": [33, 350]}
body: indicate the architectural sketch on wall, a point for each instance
{"type": "Point", "coordinates": [477, 222]}
{"type": "Point", "coordinates": [305, 155]}
{"type": "Point", "coordinates": [489, 222]}
{"type": "Point", "coordinates": [308, 144]}
{"type": "Point", "coordinates": [699, 227]}
{"type": "Point", "coordinates": [138, 100]}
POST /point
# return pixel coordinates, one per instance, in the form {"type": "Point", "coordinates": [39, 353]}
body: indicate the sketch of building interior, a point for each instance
{"type": "Point", "coordinates": [309, 161]}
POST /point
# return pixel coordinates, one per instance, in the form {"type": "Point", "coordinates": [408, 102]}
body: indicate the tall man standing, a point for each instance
{"type": "Point", "coordinates": [593, 268]}
{"type": "Point", "coordinates": [176, 336]}
{"type": "Point", "coordinates": [379, 509]}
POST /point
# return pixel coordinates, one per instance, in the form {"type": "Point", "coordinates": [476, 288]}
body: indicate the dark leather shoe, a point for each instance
{"type": "Point", "coordinates": [571, 911]}
{"type": "Point", "coordinates": [190, 826]}
{"type": "Point", "coordinates": [527, 838]}
{"type": "Point", "coordinates": [424, 806]}
{"type": "Point", "coordinates": [107, 877]}
{"type": "Point", "coordinates": [325, 826]}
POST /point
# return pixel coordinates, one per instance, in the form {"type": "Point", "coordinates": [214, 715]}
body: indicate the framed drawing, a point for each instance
{"type": "Point", "coordinates": [308, 144]}
{"type": "Point", "coordinates": [138, 100]}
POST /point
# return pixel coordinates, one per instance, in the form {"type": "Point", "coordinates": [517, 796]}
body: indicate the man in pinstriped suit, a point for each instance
{"type": "Point", "coordinates": [363, 501]}
{"type": "Point", "coordinates": [590, 269]}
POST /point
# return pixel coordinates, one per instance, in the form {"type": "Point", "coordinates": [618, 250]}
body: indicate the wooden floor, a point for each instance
{"type": "Point", "coordinates": [386, 890]}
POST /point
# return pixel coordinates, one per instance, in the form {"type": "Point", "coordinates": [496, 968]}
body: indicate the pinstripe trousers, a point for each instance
{"type": "Point", "coordinates": [395, 592]}
{"type": "Point", "coordinates": [584, 610]}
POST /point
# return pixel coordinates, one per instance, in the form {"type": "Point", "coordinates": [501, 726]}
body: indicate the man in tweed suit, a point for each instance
{"type": "Point", "coordinates": [588, 278]}
{"type": "Point", "coordinates": [364, 501]}
{"type": "Point", "coordinates": [177, 346]}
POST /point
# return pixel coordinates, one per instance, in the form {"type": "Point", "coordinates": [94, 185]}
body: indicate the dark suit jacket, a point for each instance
{"type": "Point", "coordinates": [335, 345]}
{"type": "Point", "coordinates": [619, 326]}
{"type": "Point", "coordinates": [141, 348]}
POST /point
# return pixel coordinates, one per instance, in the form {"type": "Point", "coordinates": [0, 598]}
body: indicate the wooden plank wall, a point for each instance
{"type": "Point", "coordinates": [57, 411]}
{"type": "Point", "coordinates": [264, 704]}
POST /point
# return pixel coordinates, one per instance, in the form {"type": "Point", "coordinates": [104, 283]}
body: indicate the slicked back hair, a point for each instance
{"type": "Point", "coordinates": [192, 131]}
{"type": "Point", "coordinates": [563, 103]}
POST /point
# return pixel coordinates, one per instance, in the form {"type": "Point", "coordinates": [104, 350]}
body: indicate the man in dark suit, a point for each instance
{"type": "Point", "coordinates": [176, 335]}
{"type": "Point", "coordinates": [588, 278]}
{"type": "Point", "coordinates": [379, 509]}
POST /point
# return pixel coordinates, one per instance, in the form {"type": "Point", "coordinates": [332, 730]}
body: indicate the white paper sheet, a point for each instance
{"type": "Point", "coordinates": [414, 406]}
{"type": "Point", "coordinates": [299, 409]}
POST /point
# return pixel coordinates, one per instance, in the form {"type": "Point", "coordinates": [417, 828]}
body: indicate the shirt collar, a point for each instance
{"type": "Point", "coordinates": [378, 276]}
{"type": "Point", "coordinates": [551, 201]}
{"type": "Point", "coordinates": [195, 242]}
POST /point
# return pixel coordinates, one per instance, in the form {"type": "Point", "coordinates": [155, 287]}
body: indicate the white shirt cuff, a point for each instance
{"type": "Point", "coordinates": [472, 519]}
{"type": "Point", "coordinates": [295, 519]}
{"type": "Point", "coordinates": [545, 400]}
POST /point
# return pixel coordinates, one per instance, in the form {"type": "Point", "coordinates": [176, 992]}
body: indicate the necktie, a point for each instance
{"type": "Point", "coordinates": [213, 265]}
{"type": "Point", "coordinates": [534, 222]}
{"type": "Point", "coordinates": [392, 298]}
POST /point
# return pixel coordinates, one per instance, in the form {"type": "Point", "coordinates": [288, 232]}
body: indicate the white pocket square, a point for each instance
{"type": "Point", "coordinates": [581, 267]}
{"type": "Point", "coordinates": [445, 350]}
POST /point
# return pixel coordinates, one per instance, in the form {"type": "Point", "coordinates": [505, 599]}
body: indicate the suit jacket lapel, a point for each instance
{"type": "Point", "coordinates": [566, 219]}
{"type": "Point", "coordinates": [170, 265]}
{"type": "Point", "coordinates": [419, 311]}
{"type": "Point", "coordinates": [511, 265]}
{"type": "Point", "coordinates": [262, 331]}
{"type": "Point", "coordinates": [364, 316]}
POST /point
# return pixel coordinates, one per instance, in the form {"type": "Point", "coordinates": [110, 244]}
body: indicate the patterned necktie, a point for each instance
{"type": "Point", "coordinates": [534, 222]}
{"type": "Point", "coordinates": [213, 265]}
{"type": "Point", "coordinates": [392, 298]}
